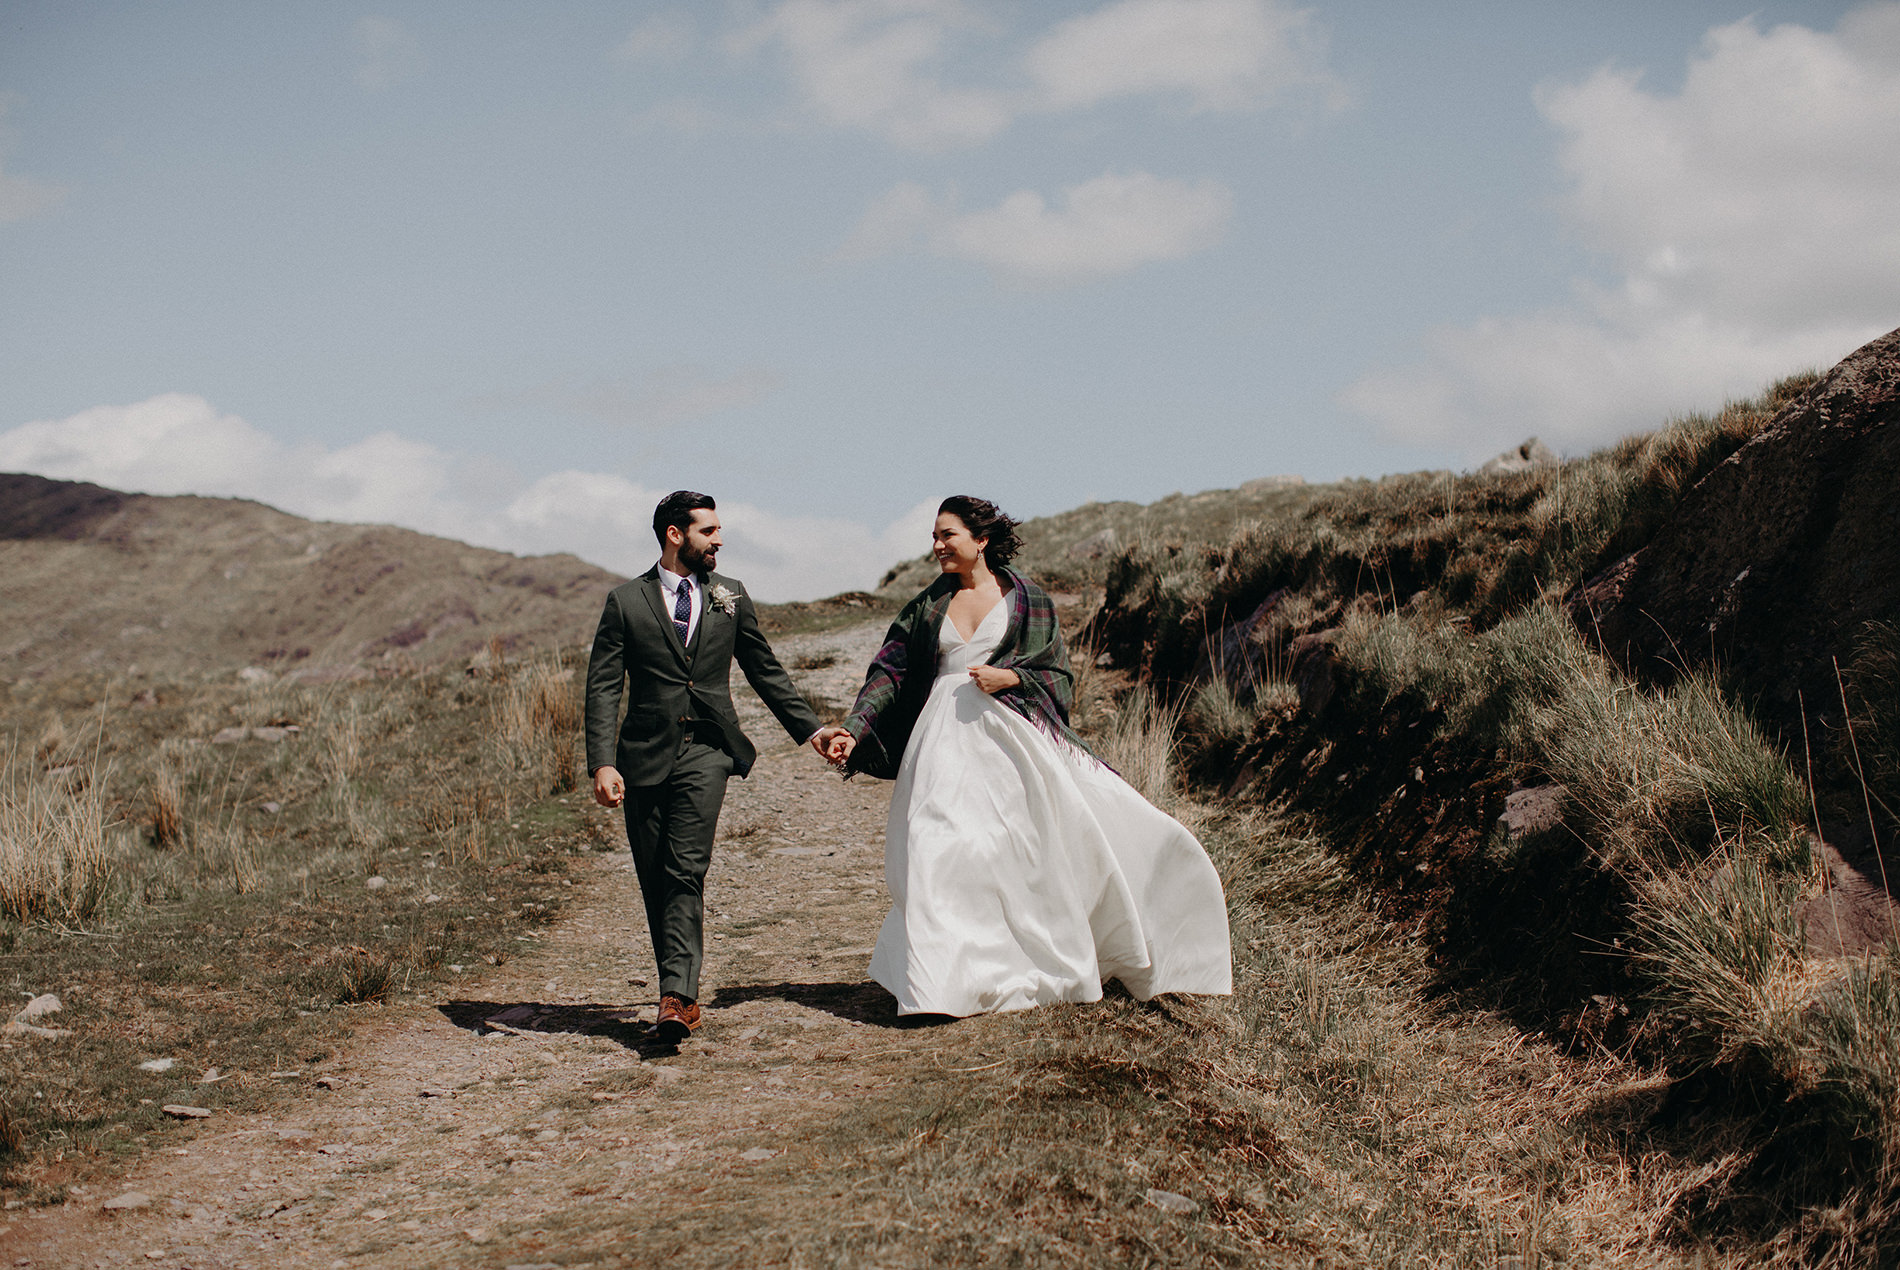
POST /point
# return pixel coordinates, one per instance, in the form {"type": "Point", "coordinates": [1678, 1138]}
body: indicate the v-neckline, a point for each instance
{"type": "Point", "coordinates": [978, 628]}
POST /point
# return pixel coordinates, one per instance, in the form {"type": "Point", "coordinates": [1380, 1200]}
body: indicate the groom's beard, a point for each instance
{"type": "Point", "coordinates": [697, 561]}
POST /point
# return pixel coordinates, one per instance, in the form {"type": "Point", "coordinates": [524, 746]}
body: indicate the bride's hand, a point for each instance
{"type": "Point", "coordinates": [993, 679]}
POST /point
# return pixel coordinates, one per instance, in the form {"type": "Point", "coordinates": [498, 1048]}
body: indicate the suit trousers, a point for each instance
{"type": "Point", "coordinates": [670, 828]}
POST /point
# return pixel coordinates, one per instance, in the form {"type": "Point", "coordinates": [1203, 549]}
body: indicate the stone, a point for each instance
{"type": "Point", "coordinates": [178, 1111]}
{"type": "Point", "coordinates": [16, 1028]}
{"type": "Point", "coordinates": [478, 1234]}
{"type": "Point", "coordinates": [756, 1154]}
{"type": "Point", "coordinates": [273, 808]}
{"type": "Point", "coordinates": [129, 1200]}
{"type": "Point", "coordinates": [157, 1065]}
{"type": "Point", "coordinates": [274, 733]}
{"type": "Point", "coordinates": [376, 882]}
{"type": "Point", "coordinates": [230, 736]}
{"type": "Point", "coordinates": [255, 675]}
{"type": "Point", "coordinates": [1533, 809]}
{"type": "Point", "coordinates": [1170, 1202]}
{"type": "Point", "coordinates": [1532, 453]}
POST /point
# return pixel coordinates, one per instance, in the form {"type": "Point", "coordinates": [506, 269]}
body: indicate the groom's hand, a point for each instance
{"type": "Point", "coordinates": [826, 740]}
{"type": "Point", "coordinates": [609, 789]}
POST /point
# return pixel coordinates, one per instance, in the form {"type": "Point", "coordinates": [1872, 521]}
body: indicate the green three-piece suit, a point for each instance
{"type": "Point", "coordinates": [679, 742]}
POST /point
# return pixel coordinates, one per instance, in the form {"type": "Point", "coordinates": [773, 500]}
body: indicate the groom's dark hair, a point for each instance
{"type": "Point", "coordinates": [677, 508]}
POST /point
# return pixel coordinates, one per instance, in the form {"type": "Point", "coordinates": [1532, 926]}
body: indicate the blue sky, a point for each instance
{"type": "Point", "coordinates": [509, 272]}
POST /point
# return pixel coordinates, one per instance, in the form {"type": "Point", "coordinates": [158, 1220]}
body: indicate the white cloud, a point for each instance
{"type": "Point", "coordinates": [179, 443]}
{"type": "Point", "coordinates": [1222, 54]}
{"type": "Point", "coordinates": [664, 37]}
{"type": "Point", "coordinates": [1749, 219]}
{"type": "Point", "coordinates": [873, 65]}
{"type": "Point", "coordinates": [386, 52]}
{"type": "Point", "coordinates": [171, 444]}
{"type": "Point", "coordinates": [1110, 225]}
{"type": "Point", "coordinates": [669, 395]}
{"type": "Point", "coordinates": [888, 66]}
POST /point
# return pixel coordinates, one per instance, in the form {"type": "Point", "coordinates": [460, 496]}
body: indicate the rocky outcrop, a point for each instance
{"type": "Point", "coordinates": [1773, 565]}
{"type": "Point", "coordinates": [1530, 454]}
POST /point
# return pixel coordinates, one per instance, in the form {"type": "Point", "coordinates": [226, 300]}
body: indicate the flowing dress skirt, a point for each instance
{"type": "Point", "coordinates": [1023, 872]}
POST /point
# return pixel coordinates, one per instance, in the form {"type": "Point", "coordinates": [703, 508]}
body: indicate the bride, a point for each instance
{"type": "Point", "coordinates": [1022, 870]}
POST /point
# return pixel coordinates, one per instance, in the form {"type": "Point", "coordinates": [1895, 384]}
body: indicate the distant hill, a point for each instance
{"type": "Point", "coordinates": [95, 579]}
{"type": "Point", "coordinates": [1071, 550]}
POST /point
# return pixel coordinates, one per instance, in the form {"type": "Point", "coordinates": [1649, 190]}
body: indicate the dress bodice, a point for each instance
{"type": "Point", "coordinates": [955, 655]}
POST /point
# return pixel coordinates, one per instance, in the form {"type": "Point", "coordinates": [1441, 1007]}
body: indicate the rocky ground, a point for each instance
{"type": "Point", "coordinates": [522, 1116]}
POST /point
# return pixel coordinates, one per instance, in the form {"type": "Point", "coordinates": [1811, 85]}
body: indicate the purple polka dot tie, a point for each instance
{"type": "Point", "coordinates": [683, 609]}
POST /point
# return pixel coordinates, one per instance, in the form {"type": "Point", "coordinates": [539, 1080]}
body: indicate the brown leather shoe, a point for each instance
{"type": "Point", "coordinates": [679, 1018]}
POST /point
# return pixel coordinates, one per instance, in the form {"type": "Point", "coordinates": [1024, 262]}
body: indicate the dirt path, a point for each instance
{"type": "Point", "coordinates": [562, 1134]}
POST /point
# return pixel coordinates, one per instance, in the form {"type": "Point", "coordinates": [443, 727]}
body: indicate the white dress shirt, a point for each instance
{"type": "Point", "coordinates": [670, 583]}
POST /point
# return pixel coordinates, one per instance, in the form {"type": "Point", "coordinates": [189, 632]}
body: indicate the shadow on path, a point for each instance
{"type": "Point", "coordinates": [865, 1002]}
{"type": "Point", "coordinates": [618, 1023]}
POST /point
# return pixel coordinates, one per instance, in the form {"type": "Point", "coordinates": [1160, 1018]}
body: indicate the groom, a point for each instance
{"type": "Point", "coordinates": [670, 637]}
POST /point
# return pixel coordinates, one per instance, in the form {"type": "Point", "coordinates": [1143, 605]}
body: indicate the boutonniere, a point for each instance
{"type": "Point", "coordinates": [724, 598]}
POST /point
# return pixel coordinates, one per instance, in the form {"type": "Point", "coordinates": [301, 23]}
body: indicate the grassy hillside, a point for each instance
{"type": "Point", "coordinates": [98, 580]}
{"type": "Point", "coordinates": [1624, 866]}
{"type": "Point", "coordinates": [225, 869]}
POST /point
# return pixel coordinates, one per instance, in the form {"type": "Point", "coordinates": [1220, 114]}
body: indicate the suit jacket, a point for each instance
{"type": "Point", "coordinates": [670, 685]}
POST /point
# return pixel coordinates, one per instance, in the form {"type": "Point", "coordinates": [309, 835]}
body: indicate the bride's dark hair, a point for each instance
{"type": "Point", "coordinates": [985, 519]}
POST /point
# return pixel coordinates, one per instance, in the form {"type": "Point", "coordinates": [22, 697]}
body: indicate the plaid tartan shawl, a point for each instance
{"type": "Point", "coordinates": [898, 682]}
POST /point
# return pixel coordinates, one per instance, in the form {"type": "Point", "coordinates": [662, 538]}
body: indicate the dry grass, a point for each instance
{"type": "Point", "coordinates": [535, 723]}
{"type": "Point", "coordinates": [1329, 1113]}
{"type": "Point", "coordinates": [55, 861]}
{"type": "Point", "coordinates": [1138, 741]}
{"type": "Point", "coordinates": [237, 874]}
{"type": "Point", "coordinates": [1671, 888]}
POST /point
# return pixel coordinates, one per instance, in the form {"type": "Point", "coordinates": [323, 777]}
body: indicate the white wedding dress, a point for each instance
{"type": "Point", "coordinates": [1023, 872]}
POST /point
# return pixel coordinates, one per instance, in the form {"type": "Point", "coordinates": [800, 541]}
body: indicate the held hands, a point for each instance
{"type": "Point", "coordinates": [834, 743]}
{"type": "Point", "coordinates": [993, 679]}
{"type": "Point", "coordinates": [609, 789]}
